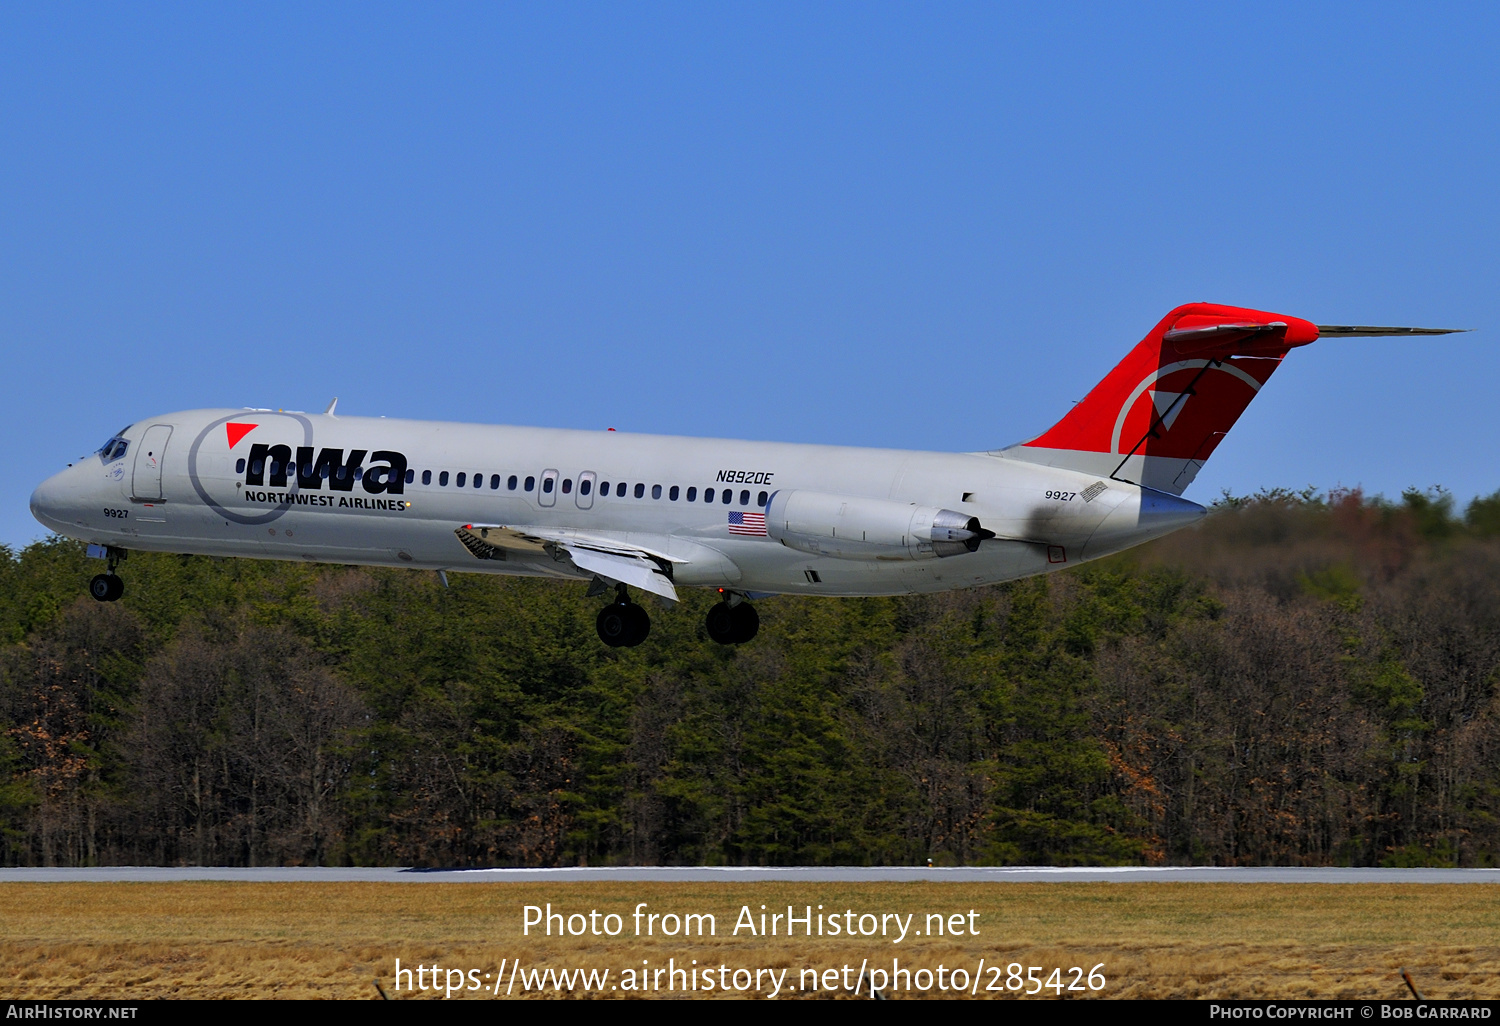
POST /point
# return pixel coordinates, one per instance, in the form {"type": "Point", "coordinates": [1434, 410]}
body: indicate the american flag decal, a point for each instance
{"type": "Point", "coordinates": [753, 524]}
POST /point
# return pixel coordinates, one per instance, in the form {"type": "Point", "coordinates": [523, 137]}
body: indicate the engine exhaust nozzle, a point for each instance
{"type": "Point", "coordinates": [953, 527]}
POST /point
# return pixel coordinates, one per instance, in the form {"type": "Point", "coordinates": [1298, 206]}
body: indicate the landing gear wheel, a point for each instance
{"type": "Point", "coordinates": [720, 624]}
{"type": "Point", "coordinates": [640, 625]}
{"type": "Point", "coordinates": [613, 625]}
{"type": "Point", "coordinates": [622, 625]}
{"type": "Point", "coordinates": [733, 625]}
{"type": "Point", "coordinates": [746, 622]}
{"type": "Point", "coordinates": [106, 587]}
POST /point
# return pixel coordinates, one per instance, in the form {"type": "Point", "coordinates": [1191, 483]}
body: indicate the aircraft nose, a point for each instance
{"type": "Point", "coordinates": [49, 503]}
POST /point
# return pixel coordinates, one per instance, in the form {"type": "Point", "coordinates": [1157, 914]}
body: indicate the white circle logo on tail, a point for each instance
{"type": "Point", "coordinates": [1169, 405]}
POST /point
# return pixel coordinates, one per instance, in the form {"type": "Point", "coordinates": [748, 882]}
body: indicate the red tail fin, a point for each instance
{"type": "Point", "coordinates": [1155, 419]}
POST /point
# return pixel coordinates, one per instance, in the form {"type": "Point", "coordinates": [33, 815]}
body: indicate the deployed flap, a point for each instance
{"type": "Point", "coordinates": [599, 554]}
{"type": "Point", "coordinates": [638, 571]}
{"type": "Point", "coordinates": [492, 541]}
{"type": "Point", "coordinates": [535, 539]}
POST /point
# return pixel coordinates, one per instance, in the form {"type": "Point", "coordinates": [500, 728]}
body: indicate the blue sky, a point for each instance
{"type": "Point", "coordinates": [926, 226]}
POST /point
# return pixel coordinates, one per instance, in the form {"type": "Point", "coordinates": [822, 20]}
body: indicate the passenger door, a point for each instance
{"type": "Point", "coordinates": [150, 453]}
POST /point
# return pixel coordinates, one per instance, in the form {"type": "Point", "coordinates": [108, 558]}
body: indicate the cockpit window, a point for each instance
{"type": "Point", "coordinates": [114, 449]}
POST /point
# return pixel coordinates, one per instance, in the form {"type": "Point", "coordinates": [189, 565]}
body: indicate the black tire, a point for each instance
{"type": "Point", "coordinates": [102, 589]}
{"type": "Point", "coordinates": [116, 589]}
{"type": "Point", "coordinates": [720, 624]}
{"type": "Point", "coordinates": [746, 622]}
{"type": "Point", "coordinates": [615, 625]}
{"type": "Point", "coordinates": [640, 625]}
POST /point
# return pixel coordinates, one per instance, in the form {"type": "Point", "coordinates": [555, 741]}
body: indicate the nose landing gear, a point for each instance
{"type": "Point", "coordinates": [622, 623]}
{"type": "Point", "coordinates": [733, 622]}
{"type": "Point", "coordinates": [107, 587]}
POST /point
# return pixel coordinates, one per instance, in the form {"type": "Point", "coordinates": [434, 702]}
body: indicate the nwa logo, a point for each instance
{"type": "Point", "coordinates": [272, 466]}
{"type": "Point", "coordinates": [286, 475]}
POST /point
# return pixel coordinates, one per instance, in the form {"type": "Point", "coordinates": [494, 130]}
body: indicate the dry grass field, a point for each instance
{"type": "Point", "coordinates": [245, 940]}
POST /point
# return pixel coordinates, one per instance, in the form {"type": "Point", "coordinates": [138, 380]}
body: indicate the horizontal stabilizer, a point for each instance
{"type": "Point", "coordinates": [1370, 331]}
{"type": "Point", "coordinates": [1200, 336]}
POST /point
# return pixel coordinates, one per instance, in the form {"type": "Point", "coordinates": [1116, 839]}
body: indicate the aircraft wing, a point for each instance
{"type": "Point", "coordinates": [607, 557]}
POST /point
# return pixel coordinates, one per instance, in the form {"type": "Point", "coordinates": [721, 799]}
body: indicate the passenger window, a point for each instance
{"type": "Point", "coordinates": [478, 480]}
{"type": "Point", "coordinates": [443, 479]}
{"type": "Point", "coordinates": [708, 495]}
{"type": "Point", "coordinates": [656, 491]}
{"type": "Point", "coordinates": [692, 495]}
{"type": "Point", "coordinates": [324, 472]}
{"type": "Point", "coordinates": [494, 482]}
{"type": "Point", "coordinates": [585, 486]}
{"type": "Point", "coordinates": [620, 490]}
{"type": "Point", "coordinates": [745, 497]}
{"type": "Point", "coordinates": [673, 494]}
{"type": "Point", "coordinates": [511, 482]}
{"type": "Point", "coordinates": [257, 467]}
{"type": "Point", "coordinates": [411, 475]}
{"type": "Point", "coordinates": [530, 483]}
{"type": "Point", "coordinates": [458, 482]}
{"type": "Point", "coordinates": [275, 467]}
{"type": "Point", "coordinates": [567, 486]}
{"type": "Point", "coordinates": [728, 496]}
{"type": "Point", "coordinates": [761, 499]}
{"type": "Point", "coordinates": [427, 477]}
{"type": "Point", "coordinates": [239, 467]}
{"type": "Point", "coordinates": [603, 488]}
{"type": "Point", "coordinates": [547, 485]}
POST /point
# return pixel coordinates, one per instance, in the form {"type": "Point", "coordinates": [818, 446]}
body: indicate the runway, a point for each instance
{"type": "Point", "coordinates": [758, 874]}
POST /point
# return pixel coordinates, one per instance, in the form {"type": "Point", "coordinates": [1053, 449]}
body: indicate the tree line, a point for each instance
{"type": "Point", "coordinates": [1299, 680]}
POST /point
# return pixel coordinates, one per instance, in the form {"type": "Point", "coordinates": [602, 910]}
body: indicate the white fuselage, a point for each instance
{"type": "Point", "coordinates": [195, 489]}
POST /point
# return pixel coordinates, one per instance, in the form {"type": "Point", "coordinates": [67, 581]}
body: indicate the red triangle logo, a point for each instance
{"type": "Point", "coordinates": [238, 431]}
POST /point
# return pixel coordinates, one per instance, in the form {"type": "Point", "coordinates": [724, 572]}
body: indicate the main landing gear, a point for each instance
{"type": "Point", "coordinates": [733, 621]}
{"type": "Point", "coordinates": [622, 623]}
{"type": "Point", "coordinates": [107, 587]}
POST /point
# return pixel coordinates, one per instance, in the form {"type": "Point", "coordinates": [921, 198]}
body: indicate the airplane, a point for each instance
{"type": "Point", "coordinates": [659, 513]}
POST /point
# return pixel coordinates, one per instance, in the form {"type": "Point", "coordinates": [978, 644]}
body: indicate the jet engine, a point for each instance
{"type": "Point", "coordinates": [854, 527]}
